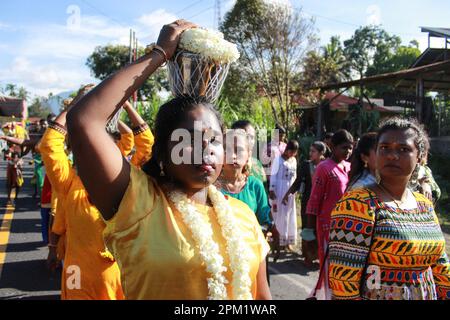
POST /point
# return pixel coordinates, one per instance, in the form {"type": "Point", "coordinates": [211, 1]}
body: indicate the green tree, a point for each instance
{"type": "Point", "coordinates": [273, 41]}
{"type": "Point", "coordinates": [333, 53]}
{"type": "Point", "coordinates": [372, 50]}
{"type": "Point", "coordinates": [23, 94]}
{"type": "Point", "coordinates": [369, 46]}
{"type": "Point", "coordinates": [39, 108]}
{"type": "Point", "coordinates": [402, 58]}
{"type": "Point", "coordinates": [10, 89]}
{"type": "Point", "coordinates": [107, 60]}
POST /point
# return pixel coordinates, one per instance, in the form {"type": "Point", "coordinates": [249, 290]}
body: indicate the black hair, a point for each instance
{"type": "Point", "coordinates": [281, 129]}
{"type": "Point", "coordinates": [292, 145]}
{"type": "Point", "coordinates": [321, 147]}
{"type": "Point", "coordinates": [342, 136]}
{"type": "Point", "coordinates": [168, 119]}
{"type": "Point", "coordinates": [398, 123]}
{"type": "Point", "coordinates": [367, 143]}
{"type": "Point", "coordinates": [115, 135]}
{"type": "Point", "coordinates": [328, 135]}
{"type": "Point", "coordinates": [241, 124]}
{"type": "Point", "coordinates": [51, 117]}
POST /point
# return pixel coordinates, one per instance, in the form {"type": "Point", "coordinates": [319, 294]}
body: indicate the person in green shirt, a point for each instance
{"type": "Point", "coordinates": [255, 166]}
{"type": "Point", "coordinates": [236, 181]}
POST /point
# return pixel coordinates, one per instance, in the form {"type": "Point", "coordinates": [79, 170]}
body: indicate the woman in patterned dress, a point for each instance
{"type": "Point", "coordinates": [385, 240]}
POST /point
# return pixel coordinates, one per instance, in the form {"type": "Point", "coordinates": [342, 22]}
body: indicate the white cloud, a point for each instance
{"type": "Point", "coordinates": [149, 25]}
{"type": "Point", "coordinates": [67, 42]}
{"type": "Point", "coordinates": [51, 57]}
{"type": "Point", "coordinates": [4, 26]}
{"type": "Point", "coordinates": [41, 79]}
{"type": "Point", "coordinates": [373, 15]}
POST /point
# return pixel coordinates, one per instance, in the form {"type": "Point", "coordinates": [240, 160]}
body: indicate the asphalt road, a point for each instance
{"type": "Point", "coordinates": [23, 274]}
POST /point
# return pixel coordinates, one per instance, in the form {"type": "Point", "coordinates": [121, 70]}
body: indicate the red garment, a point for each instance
{"type": "Point", "coordinates": [46, 196]}
{"type": "Point", "coordinates": [329, 185]}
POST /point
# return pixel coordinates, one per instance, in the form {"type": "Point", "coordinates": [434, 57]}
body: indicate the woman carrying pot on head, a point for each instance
{"type": "Point", "coordinates": [174, 235]}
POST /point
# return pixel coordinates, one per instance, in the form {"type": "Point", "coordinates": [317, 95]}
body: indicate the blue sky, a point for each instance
{"type": "Point", "coordinates": [44, 44]}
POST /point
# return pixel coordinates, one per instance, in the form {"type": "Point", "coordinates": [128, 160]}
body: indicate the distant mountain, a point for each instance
{"type": "Point", "coordinates": [55, 101]}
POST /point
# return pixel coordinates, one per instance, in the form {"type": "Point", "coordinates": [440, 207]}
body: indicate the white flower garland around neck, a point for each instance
{"type": "Point", "coordinates": [238, 251]}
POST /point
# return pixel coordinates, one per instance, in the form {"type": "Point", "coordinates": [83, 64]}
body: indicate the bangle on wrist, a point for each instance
{"type": "Point", "coordinates": [53, 246]}
{"type": "Point", "coordinates": [159, 50]}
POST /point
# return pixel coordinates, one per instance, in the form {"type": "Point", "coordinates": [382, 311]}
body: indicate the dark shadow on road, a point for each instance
{"type": "Point", "coordinates": [29, 276]}
{"type": "Point", "coordinates": [24, 247]}
{"type": "Point", "coordinates": [292, 263]}
{"type": "Point", "coordinates": [23, 226]}
{"type": "Point", "coordinates": [26, 204]}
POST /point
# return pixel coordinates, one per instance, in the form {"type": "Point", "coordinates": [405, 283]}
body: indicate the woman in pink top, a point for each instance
{"type": "Point", "coordinates": [329, 184]}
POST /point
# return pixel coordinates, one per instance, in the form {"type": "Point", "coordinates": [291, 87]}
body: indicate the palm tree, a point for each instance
{"type": "Point", "coordinates": [23, 94]}
{"type": "Point", "coordinates": [11, 89]}
{"type": "Point", "coordinates": [335, 52]}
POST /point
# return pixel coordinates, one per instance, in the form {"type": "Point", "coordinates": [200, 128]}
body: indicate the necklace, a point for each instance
{"type": "Point", "coordinates": [390, 195]}
{"type": "Point", "coordinates": [237, 249]}
{"type": "Point", "coordinates": [240, 183]}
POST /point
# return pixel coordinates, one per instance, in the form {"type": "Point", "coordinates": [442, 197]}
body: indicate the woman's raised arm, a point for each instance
{"type": "Point", "coordinates": [104, 172]}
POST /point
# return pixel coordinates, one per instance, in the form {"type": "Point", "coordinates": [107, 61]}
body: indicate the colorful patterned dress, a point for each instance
{"type": "Point", "coordinates": [407, 255]}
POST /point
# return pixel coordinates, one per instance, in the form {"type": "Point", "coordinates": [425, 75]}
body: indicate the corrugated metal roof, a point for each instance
{"type": "Point", "coordinates": [437, 32]}
{"type": "Point", "coordinates": [10, 107]}
{"type": "Point", "coordinates": [431, 55]}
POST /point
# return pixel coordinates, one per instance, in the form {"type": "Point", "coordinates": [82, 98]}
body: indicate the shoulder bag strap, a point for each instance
{"type": "Point", "coordinates": [322, 269]}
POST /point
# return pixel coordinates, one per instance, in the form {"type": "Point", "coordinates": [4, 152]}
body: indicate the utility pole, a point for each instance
{"type": "Point", "coordinates": [133, 58]}
{"type": "Point", "coordinates": [218, 14]}
{"type": "Point", "coordinates": [135, 94]}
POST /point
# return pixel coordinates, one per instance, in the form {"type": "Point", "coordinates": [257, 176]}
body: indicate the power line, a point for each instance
{"type": "Point", "coordinates": [201, 12]}
{"type": "Point", "coordinates": [189, 6]}
{"type": "Point", "coordinates": [103, 13]}
{"type": "Point", "coordinates": [349, 23]}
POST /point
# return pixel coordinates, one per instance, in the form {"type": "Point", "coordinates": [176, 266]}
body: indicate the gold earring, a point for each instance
{"type": "Point", "coordinates": [377, 176]}
{"type": "Point", "coordinates": [161, 167]}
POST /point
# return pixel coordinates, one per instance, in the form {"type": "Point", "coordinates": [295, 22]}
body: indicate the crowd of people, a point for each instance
{"type": "Point", "coordinates": [140, 225]}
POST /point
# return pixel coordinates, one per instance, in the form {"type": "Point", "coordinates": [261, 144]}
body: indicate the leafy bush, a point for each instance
{"type": "Point", "coordinates": [441, 173]}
